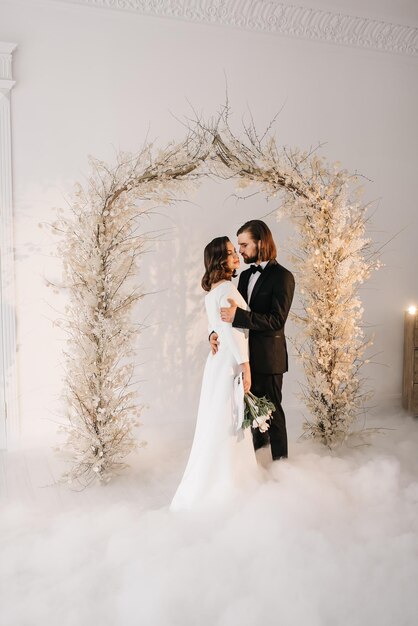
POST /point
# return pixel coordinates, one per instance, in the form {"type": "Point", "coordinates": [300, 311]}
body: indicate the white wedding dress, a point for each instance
{"type": "Point", "coordinates": [222, 460]}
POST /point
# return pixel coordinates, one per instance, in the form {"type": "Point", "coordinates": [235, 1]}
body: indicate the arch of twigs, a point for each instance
{"type": "Point", "coordinates": [101, 242]}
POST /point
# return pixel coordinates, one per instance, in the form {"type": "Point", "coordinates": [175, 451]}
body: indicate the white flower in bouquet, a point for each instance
{"type": "Point", "coordinates": [257, 412]}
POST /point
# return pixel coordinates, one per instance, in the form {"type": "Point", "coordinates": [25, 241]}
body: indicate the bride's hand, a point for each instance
{"type": "Point", "coordinates": [214, 342]}
{"type": "Point", "coordinates": [246, 372]}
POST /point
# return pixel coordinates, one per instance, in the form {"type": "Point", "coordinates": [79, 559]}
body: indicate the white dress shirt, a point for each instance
{"type": "Point", "coordinates": [253, 279]}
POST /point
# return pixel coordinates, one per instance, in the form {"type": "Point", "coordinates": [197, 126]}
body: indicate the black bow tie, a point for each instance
{"type": "Point", "coordinates": [256, 268]}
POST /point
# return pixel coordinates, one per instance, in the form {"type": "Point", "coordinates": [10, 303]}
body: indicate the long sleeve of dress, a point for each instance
{"type": "Point", "coordinates": [235, 338]}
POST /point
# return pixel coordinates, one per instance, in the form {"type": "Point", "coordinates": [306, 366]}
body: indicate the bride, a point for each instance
{"type": "Point", "coordinates": [221, 459]}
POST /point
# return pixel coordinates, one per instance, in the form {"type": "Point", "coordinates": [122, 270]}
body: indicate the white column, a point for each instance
{"type": "Point", "coordinates": [9, 411]}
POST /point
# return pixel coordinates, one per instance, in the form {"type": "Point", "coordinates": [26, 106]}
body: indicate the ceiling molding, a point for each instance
{"type": "Point", "coordinates": [274, 17]}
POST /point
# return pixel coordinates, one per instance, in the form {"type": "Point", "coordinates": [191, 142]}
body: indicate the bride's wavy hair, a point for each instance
{"type": "Point", "coordinates": [215, 258]}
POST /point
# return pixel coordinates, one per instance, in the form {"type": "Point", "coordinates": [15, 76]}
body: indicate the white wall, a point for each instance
{"type": "Point", "coordinates": [90, 81]}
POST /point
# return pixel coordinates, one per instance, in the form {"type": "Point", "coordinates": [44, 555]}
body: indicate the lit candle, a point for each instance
{"type": "Point", "coordinates": [412, 310]}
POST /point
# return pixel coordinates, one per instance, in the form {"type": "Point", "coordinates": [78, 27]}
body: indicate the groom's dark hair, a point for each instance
{"type": "Point", "coordinates": [260, 232]}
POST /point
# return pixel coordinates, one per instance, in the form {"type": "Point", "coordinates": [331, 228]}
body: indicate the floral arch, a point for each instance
{"type": "Point", "coordinates": [101, 243]}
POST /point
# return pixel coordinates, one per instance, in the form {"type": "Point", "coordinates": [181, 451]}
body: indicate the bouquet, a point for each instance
{"type": "Point", "coordinates": [257, 412]}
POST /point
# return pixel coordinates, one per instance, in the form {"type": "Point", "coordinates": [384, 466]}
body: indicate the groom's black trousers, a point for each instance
{"type": "Point", "coordinates": [270, 385]}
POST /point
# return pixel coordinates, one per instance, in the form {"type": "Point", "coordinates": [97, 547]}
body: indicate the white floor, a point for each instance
{"type": "Point", "coordinates": [326, 540]}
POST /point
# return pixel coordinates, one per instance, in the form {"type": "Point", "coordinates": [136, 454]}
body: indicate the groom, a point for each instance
{"type": "Point", "coordinates": [268, 289]}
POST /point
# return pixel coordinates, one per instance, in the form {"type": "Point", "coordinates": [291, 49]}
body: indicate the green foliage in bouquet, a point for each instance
{"type": "Point", "coordinates": [257, 412]}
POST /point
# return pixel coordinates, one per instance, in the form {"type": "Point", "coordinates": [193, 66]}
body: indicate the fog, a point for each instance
{"type": "Point", "coordinates": [327, 538]}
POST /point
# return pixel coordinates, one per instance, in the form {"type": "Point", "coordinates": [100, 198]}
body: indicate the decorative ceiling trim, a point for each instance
{"type": "Point", "coordinates": [273, 17]}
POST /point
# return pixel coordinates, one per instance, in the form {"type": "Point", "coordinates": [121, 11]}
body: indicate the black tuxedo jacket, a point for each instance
{"type": "Point", "coordinates": [270, 303]}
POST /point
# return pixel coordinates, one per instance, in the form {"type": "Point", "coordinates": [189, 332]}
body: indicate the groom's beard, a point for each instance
{"type": "Point", "coordinates": [250, 259]}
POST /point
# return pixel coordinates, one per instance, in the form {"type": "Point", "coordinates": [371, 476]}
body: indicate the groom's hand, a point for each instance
{"type": "Point", "coordinates": [228, 312]}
